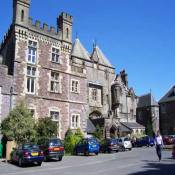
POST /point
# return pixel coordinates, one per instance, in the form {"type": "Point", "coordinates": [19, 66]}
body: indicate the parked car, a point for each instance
{"type": "Point", "coordinates": [87, 146]}
{"type": "Point", "coordinates": [52, 148]}
{"type": "Point", "coordinates": [27, 153]}
{"type": "Point", "coordinates": [110, 145]}
{"type": "Point", "coordinates": [168, 140]}
{"type": "Point", "coordinates": [144, 141]}
{"type": "Point", "coordinates": [173, 152]}
{"type": "Point", "coordinates": [125, 143]}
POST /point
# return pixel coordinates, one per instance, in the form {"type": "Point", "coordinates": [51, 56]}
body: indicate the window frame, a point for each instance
{"type": "Point", "coordinates": [75, 124]}
{"type": "Point", "coordinates": [33, 46]}
{"type": "Point", "coordinates": [56, 82]}
{"type": "Point", "coordinates": [94, 94]}
{"type": "Point", "coordinates": [31, 78]}
{"type": "Point", "coordinates": [75, 88]}
{"type": "Point", "coordinates": [55, 55]}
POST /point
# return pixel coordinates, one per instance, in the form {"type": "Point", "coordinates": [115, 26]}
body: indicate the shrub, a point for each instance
{"type": "Point", "coordinates": [71, 140]}
{"type": "Point", "coordinates": [19, 125]}
{"type": "Point", "coordinates": [98, 133]}
{"type": "Point", "coordinates": [45, 128]}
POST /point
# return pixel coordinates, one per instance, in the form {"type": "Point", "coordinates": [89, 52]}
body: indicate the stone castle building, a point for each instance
{"type": "Point", "coordinates": [167, 112]}
{"type": "Point", "coordinates": [148, 112]}
{"type": "Point", "coordinates": [60, 79]}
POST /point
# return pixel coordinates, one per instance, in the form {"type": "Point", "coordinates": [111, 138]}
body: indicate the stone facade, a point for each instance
{"type": "Point", "coordinates": [167, 112]}
{"type": "Point", "coordinates": [148, 112]}
{"type": "Point", "coordinates": [60, 79]}
{"type": "Point", "coordinates": [5, 91]}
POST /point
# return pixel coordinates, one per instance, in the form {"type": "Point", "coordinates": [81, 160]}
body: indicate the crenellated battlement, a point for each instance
{"type": "Point", "coordinates": [67, 17]}
{"type": "Point", "coordinates": [37, 25]}
{"type": "Point", "coordinates": [6, 37]}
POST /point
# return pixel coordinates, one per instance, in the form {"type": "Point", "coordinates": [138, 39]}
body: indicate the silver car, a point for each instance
{"type": "Point", "coordinates": [125, 142]}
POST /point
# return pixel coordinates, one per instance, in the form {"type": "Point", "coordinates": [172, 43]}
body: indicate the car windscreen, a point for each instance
{"type": "Point", "coordinates": [30, 146]}
{"type": "Point", "coordinates": [93, 141]}
{"type": "Point", "coordinates": [55, 142]}
{"type": "Point", "coordinates": [126, 139]}
{"type": "Point", "coordinates": [114, 141]}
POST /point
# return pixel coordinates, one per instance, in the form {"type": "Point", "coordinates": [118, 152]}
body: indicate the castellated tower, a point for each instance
{"type": "Point", "coordinates": [64, 23]}
{"type": "Point", "coordinates": [21, 11]}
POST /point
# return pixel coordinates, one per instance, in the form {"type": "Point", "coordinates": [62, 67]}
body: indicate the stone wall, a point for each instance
{"type": "Point", "coordinates": [5, 96]}
{"type": "Point", "coordinates": [167, 118]}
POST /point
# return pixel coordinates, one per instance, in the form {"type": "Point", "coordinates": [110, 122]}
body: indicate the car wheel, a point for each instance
{"type": "Point", "coordinates": [109, 151]}
{"type": "Point", "coordinates": [96, 153]}
{"type": "Point", "coordinates": [39, 163]}
{"type": "Point", "coordinates": [86, 153]}
{"type": "Point", "coordinates": [76, 152]}
{"type": "Point", "coordinates": [20, 162]}
{"type": "Point", "coordinates": [60, 158]}
{"type": "Point", "coordinates": [45, 159]}
{"type": "Point", "coordinates": [130, 149]}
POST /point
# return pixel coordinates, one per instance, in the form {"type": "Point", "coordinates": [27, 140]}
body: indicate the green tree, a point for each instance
{"type": "Point", "coordinates": [149, 128]}
{"type": "Point", "coordinates": [78, 135]}
{"type": "Point", "coordinates": [46, 128]}
{"type": "Point", "coordinates": [98, 133]}
{"type": "Point", "coordinates": [19, 125]}
{"type": "Point", "coordinates": [69, 142]}
{"type": "Point", "coordinates": [72, 139]}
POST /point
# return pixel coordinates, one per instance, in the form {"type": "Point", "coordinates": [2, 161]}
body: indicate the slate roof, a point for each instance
{"type": "Point", "coordinates": [79, 51]}
{"type": "Point", "coordinates": [146, 100]}
{"type": "Point", "coordinates": [132, 125]}
{"type": "Point", "coordinates": [98, 56]}
{"type": "Point", "coordinates": [123, 128]}
{"type": "Point", "coordinates": [90, 127]}
{"type": "Point", "coordinates": [169, 96]}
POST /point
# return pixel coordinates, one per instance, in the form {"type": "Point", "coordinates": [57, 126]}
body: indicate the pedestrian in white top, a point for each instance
{"type": "Point", "coordinates": [159, 144]}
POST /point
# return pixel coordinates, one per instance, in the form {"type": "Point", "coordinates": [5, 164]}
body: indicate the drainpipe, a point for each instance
{"type": "Point", "coordinates": [11, 95]}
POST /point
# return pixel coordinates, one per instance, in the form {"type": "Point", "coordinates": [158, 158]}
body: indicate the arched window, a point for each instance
{"type": "Point", "coordinates": [67, 33]}
{"type": "Point", "coordinates": [22, 15]}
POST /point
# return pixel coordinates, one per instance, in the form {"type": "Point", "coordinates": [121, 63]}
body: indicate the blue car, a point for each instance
{"type": "Point", "coordinates": [87, 146]}
{"type": "Point", "coordinates": [26, 154]}
{"type": "Point", "coordinates": [145, 141]}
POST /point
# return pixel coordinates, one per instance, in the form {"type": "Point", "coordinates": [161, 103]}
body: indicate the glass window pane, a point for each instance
{"type": "Point", "coordinates": [33, 71]}
{"type": "Point", "coordinates": [52, 85]}
{"type": "Point", "coordinates": [32, 85]}
{"type": "Point", "coordinates": [28, 70]}
{"type": "Point", "coordinates": [28, 84]}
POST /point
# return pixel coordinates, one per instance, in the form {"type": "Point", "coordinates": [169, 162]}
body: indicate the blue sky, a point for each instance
{"type": "Point", "coordinates": [135, 35]}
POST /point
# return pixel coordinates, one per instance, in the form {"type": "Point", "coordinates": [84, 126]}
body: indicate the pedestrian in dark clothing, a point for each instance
{"type": "Point", "coordinates": [159, 145]}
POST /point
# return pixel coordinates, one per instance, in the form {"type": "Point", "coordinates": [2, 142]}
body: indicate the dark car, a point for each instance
{"type": "Point", "coordinates": [168, 140]}
{"type": "Point", "coordinates": [87, 146]}
{"type": "Point", "coordinates": [110, 145]}
{"type": "Point", "coordinates": [144, 141]}
{"type": "Point", "coordinates": [173, 152]}
{"type": "Point", "coordinates": [27, 153]}
{"type": "Point", "coordinates": [52, 148]}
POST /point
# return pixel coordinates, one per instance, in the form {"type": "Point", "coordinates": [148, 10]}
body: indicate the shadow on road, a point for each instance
{"type": "Point", "coordinates": [164, 167]}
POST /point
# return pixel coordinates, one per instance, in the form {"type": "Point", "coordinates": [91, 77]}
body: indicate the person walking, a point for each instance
{"type": "Point", "coordinates": [159, 145]}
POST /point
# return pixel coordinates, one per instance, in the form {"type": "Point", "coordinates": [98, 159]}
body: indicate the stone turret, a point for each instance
{"type": "Point", "coordinates": [124, 77]}
{"type": "Point", "coordinates": [64, 22]}
{"type": "Point", "coordinates": [116, 92]}
{"type": "Point", "coordinates": [21, 12]}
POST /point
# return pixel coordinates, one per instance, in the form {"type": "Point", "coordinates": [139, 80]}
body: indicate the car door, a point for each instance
{"type": "Point", "coordinates": [17, 153]}
{"type": "Point", "coordinates": [84, 145]}
{"type": "Point", "coordinates": [79, 147]}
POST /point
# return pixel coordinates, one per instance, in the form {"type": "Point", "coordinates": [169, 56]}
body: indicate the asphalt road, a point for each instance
{"type": "Point", "coordinates": [139, 161]}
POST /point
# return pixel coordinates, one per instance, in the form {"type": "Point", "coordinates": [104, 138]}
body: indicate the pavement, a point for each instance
{"type": "Point", "coordinates": [139, 161]}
